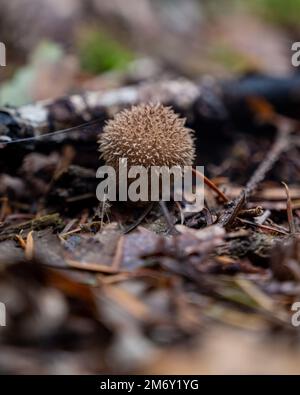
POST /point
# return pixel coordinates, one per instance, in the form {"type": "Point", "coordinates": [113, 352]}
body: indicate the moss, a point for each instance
{"type": "Point", "coordinates": [283, 12]}
{"type": "Point", "coordinates": [98, 52]}
{"type": "Point", "coordinates": [230, 58]}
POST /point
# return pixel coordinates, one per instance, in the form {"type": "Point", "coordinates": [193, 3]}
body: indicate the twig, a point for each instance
{"type": "Point", "coordinates": [210, 184]}
{"type": "Point", "coordinates": [90, 266]}
{"type": "Point", "coordinates": [29, 249]}
{"type": "Point", "coordinates": [289, 209]}
{"type": "Point", "coordinates": [168, 218]}
{"type": "Point", "coordinates": [33, 122]}
{"type": "Point", "coordinates": [264, 227]}
{"type": "Point", "coordinates": [116, 263]}
{"type": "Point", "coordinates": [180, 212]}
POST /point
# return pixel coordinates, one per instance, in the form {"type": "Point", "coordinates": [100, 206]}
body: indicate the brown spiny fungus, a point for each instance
{"type": "Point", "coordinates": [150, 135]}
{"type": "Point", "coordinates": [147, 135]}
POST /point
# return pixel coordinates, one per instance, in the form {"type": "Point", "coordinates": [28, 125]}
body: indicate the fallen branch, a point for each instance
{"type": "Point", "coordinates": [282, 142]}
{"type": "Point", "coordinates": [34, 120]}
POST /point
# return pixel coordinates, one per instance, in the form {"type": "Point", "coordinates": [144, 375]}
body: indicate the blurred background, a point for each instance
{"type": "Point", "coordinates": [71, 45]}
{"type": "Point", "coordinates": [60, 47]}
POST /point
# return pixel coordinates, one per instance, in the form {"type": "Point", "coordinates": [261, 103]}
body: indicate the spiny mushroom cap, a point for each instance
{"type": "Point", "coordinates": [147, 135]}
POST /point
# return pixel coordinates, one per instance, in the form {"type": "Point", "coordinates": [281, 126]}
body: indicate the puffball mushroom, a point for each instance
{"type": "Point", "coordinates": [150, 135]}
{"type": "Point", "coordinates": [147, 135]}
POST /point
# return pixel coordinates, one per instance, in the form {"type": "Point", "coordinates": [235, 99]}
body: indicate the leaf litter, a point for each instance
{"type": "Point", "coordinates": [91, 291]}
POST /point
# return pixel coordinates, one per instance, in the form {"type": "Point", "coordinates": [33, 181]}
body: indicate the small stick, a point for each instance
{"type": "Point", "coordinates": [180, 212]}
{"type": "Point", "coordinates": [116, 263]}
{"type": "Point", "coordinates": [264, 227]}
{"type": "Point", "coordinates": [90, 266]}
{"type": "Point", "coordinates": [29, 248]}
{"type": "Point", "coordinates": [210, 184]}
{"type": "Point", "coordinates": [289, 209]}
{"type": "Point", "coordinates": [168, 218]}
